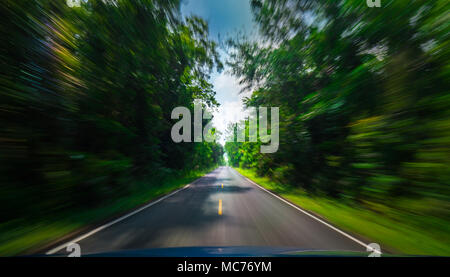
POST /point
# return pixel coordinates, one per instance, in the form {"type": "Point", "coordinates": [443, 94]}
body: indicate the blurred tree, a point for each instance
{"type": "Point", "coordinates": [363, 97]}
{"type": "Point", "coordinates": [87, 94]}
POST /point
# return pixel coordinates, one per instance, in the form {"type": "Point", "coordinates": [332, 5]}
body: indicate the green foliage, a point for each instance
{"type": "Point", "coordinates": [397, 230]}
{"type": "Point", "coordinates": [363, 97]}
{"type": "Point", "coordinates": [86, 101]}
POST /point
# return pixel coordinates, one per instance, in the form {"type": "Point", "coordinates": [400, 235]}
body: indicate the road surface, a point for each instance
{"type": "Point", "coordinates": [221, 209]}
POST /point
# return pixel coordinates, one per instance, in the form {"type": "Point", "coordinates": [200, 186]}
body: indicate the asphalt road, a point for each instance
{"type": "Point", "coordinates": [206, 213]}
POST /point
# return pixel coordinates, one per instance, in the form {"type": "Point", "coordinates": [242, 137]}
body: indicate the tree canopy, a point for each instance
{"type": "Point", "coordinates": [87, 95]}
{"type": "Point", "coordinates": [363, 97]}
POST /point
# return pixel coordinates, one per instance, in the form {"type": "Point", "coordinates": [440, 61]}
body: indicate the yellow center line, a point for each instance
{"type": "Point", "coordinates": [220, 206]}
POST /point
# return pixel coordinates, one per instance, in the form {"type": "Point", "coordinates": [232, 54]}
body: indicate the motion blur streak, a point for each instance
{"type": "Point", "coordinates": [364, 110]}
{"type": "Point", "coordinates": [86, 94]}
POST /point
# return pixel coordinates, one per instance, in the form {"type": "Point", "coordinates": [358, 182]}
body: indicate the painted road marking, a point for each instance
{"type": "Point", "coordinates": [220, 206]}
{"type": "Point", "coordinates": [310, 215]}
{"type": "Point", "coordinates": [63, 246]}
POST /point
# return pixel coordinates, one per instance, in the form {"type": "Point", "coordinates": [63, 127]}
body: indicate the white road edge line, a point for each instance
{"type": "Point", "coordinates": [312, 216]}
{"type": "Point", "coordinates": [59, 248]}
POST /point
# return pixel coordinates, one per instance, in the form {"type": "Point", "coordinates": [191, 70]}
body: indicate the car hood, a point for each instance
{"type": "Point", "coordinates": [227, 251]}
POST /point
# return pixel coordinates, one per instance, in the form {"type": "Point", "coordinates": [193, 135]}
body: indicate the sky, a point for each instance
{"type": "Point", "coordinates": [225, 18]}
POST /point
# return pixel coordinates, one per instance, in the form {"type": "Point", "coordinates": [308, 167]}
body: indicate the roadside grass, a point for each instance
{"type": "Point", "coordinates": [21, 237]}
{"type": "Point", "coordinates": [395, 230]}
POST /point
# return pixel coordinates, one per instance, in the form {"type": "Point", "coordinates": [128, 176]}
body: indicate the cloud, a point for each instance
{"type": "Point", "coordinates": [231, 108]}
{"type": "Point", "coordinates": [227, 87]}
{"type": "Point", "coordinates": [228, 112]}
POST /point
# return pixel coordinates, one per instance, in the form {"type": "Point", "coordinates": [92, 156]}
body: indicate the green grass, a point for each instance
{"type": "Point", "coordinates": [394, 230]}
{"type": "Point", "coordinates": [22, 237]}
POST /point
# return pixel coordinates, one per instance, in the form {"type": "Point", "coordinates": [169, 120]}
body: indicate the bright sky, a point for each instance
{"type": "Point", "coordinates": [225, 18]}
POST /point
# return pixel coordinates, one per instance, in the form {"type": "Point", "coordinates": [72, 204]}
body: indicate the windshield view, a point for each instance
{"type": "Point", "coordinates": [224, 128]}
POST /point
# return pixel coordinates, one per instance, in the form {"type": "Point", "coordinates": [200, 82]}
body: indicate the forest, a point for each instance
{"type": "Point", "coordinates": [87, 93]}
{"type": "Point", "coordinates": [86, 99]}
{"type": "Point", "coordinates": [364, 104]}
